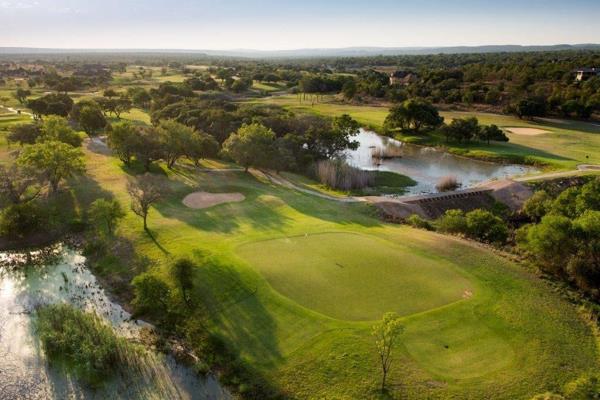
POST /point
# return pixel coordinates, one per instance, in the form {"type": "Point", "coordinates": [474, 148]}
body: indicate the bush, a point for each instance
{"type": "Point", "coordinates": [537, 205]}
{"type": "Point", "coordinates": [17, 221]}
{"type": "Point", "coordinates": [447, 184]}
{"type": "Point", "coordinates": [584, 388]}
{"type": "Point", "coordinates": [417, 222]}
{"type": "Point", "coordinates": [453, 221]}
{"type": "Point", "coordinates": [486, 227]}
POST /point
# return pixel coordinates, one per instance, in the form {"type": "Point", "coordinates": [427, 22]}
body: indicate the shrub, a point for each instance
{"type": "Point", "coordinates": [453, 221]}
{"type": "Point", "coordinates": [587, 387]}
{"type": "Point", "coordinates": [20, 220]}
{"type": "Point", "coordinates": [417, 222]}
{"type": "Point", "coordinates": [537, 205]}
{"type": "Point", "coordinates": [447, 184]}
{"type": "Point", "coordinates": [486, 227]}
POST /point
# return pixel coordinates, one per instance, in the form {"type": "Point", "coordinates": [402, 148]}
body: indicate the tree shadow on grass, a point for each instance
{"type": "Point", "coordinates": [264, 207]}
{"type": "Point", "coordinates": [153, 236]}
{"type": "Point", "coordinates": [241, 319]}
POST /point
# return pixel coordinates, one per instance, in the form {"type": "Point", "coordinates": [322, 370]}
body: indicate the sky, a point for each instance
{"type": "Point", "coordinates": [286, 24]}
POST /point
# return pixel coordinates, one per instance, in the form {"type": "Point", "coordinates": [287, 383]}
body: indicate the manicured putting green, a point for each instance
{"type": "Point", "coordinates": [355, 277]}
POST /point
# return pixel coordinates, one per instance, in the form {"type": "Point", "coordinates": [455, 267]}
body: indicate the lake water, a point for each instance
{"type": "Point", "coordinates": [426, 165]}
{"type": "Point", "coordinates": [24, 371]}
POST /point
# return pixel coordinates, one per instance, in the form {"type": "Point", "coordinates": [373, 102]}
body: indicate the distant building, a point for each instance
{"type": "Point", "coordinates": [582, 74]}
{"type": "Point", "coordinates": [402, 78]}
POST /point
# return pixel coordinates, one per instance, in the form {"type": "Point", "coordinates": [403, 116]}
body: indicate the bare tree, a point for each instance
{"type": "Point", "coordinates": [144, 192]}
{"type": "Point", "coordinates": [386, 334]}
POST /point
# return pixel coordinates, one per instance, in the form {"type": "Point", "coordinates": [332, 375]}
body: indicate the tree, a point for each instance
{"type": "Point", "coordinates": [386, 334]}
{"type": "Point", "coordinates": [537, 205]}
{"type": "Point", "coordinates": [52, 161]}
{"type": "Point", "coordinates": [152, 295]}
{"type": "Point", "coordinates": [144, 192]}
{"type": "Point", "coordinates": [91, 119]}
{"type": "Point", "coordinates": [55, 128]}
{"type": "Point", "coordinates": [492, 132]}
{"type": "Point", "coordinates": [122, 140]}
{"type": "Point", "coordinates": [18, 221]}
{"type": "Point", "coordinates": [174, 139]}
{"type": "Point", "coordinates": [327, 141]}
{"type": "Point", "coordinates": [110, 93]}
{"type": "Point", "coordinates": [140, 97]}
{"type": "Point", "coordinates": [122, 105]}
{"type": "Point", "coordinates": [183, 272]}
{"type": "Point", "coordinates": [57, 104]}
{"type": "Point", "coordinates": [16, 186]}
{"type": "Point", "coordinates": [413, 114]}
{"type": "Point", "coordinates": [22, 94]}
{"type": "Point", "coordinates": [201, 145]}
{"type": "Point", "coordinates": [107, 213]}
{"type": "Point", "coordinates": [349, 89]}
{"type": "Point", "coordinates": [250, 146]}
{"type": "Point", "coordinates": [462, 129]}
{"type": "Point", "coordinates": [529, 108]}
{"type": "Point", "coordinates": [24, 133]}
{"type": "Point", "coordinates": [147, 146]}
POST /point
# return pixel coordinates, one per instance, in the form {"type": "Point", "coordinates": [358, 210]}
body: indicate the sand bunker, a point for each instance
{"type": "Point", "coordinates": [526, 131]}
{"type": "Point", "coordinates": [199, 200]}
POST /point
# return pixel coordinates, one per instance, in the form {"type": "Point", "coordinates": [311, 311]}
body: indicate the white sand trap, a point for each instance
{"type": "Point", "coordinates": [526, 131]}
{"type": "Point", "coordinates": [199, 200]}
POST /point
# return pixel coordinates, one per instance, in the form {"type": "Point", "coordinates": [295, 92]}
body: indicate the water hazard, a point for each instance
{"type": "Point", "coordinates": [24, 372]}
{"type": "Point", "coordinates": [426, 165]}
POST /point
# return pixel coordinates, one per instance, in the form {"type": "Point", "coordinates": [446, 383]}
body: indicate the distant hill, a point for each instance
{"type": "Point", "coordinates": [316, 52]}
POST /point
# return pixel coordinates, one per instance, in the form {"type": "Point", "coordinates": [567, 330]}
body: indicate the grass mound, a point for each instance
{"type": "Point", "coordinates": [355, 277]}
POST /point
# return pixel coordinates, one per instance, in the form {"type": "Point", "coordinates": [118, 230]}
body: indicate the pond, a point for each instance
{"type": "Point", "coordinates": [426, 165]}
{"type": "Point", "coordinates": [24, 372]}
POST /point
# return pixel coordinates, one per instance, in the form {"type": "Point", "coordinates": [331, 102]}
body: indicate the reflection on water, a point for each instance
{"type": "Point", "coordinates": [426, 165]}
{"type": "Point", "coordinates": [24, 373]}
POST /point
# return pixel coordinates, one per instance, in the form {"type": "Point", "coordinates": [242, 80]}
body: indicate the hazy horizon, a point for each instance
{"type": "Point", "coordinates": [284, 25]}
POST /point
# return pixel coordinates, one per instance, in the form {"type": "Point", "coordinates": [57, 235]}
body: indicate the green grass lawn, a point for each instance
{"type": "Point", "coordinates": [567, 144]}
{"type": "Point", "coordinates": [362, 282]}
{"type": "Point", "coordinates": [476, 325]}
{"type": "Point", "coordinates": [268, 87]}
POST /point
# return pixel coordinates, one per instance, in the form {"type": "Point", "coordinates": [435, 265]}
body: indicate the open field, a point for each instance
{"type": "Point", "coordinates": [566, 144]}
{"type": "Point", "coordinates": [482, 327]}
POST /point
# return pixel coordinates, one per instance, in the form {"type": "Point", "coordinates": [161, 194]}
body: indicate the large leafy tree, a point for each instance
{"type": "Point", "coordinates": [331, 140]}
{"type": "Point", "coordinates": [55, 128]}
{"type": "Point", "coordinates": [250, 146]}
{"type": "Point", "coordinates": [122, 140]}
{"type": "Point", "coordinates": [174, 140]}
{"type": "Point", "coordinates": [413, 114]}
{"type": "Point", "coordinates": [90, 117]}
{"type": "Point", "coordinates": [51, 161]}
